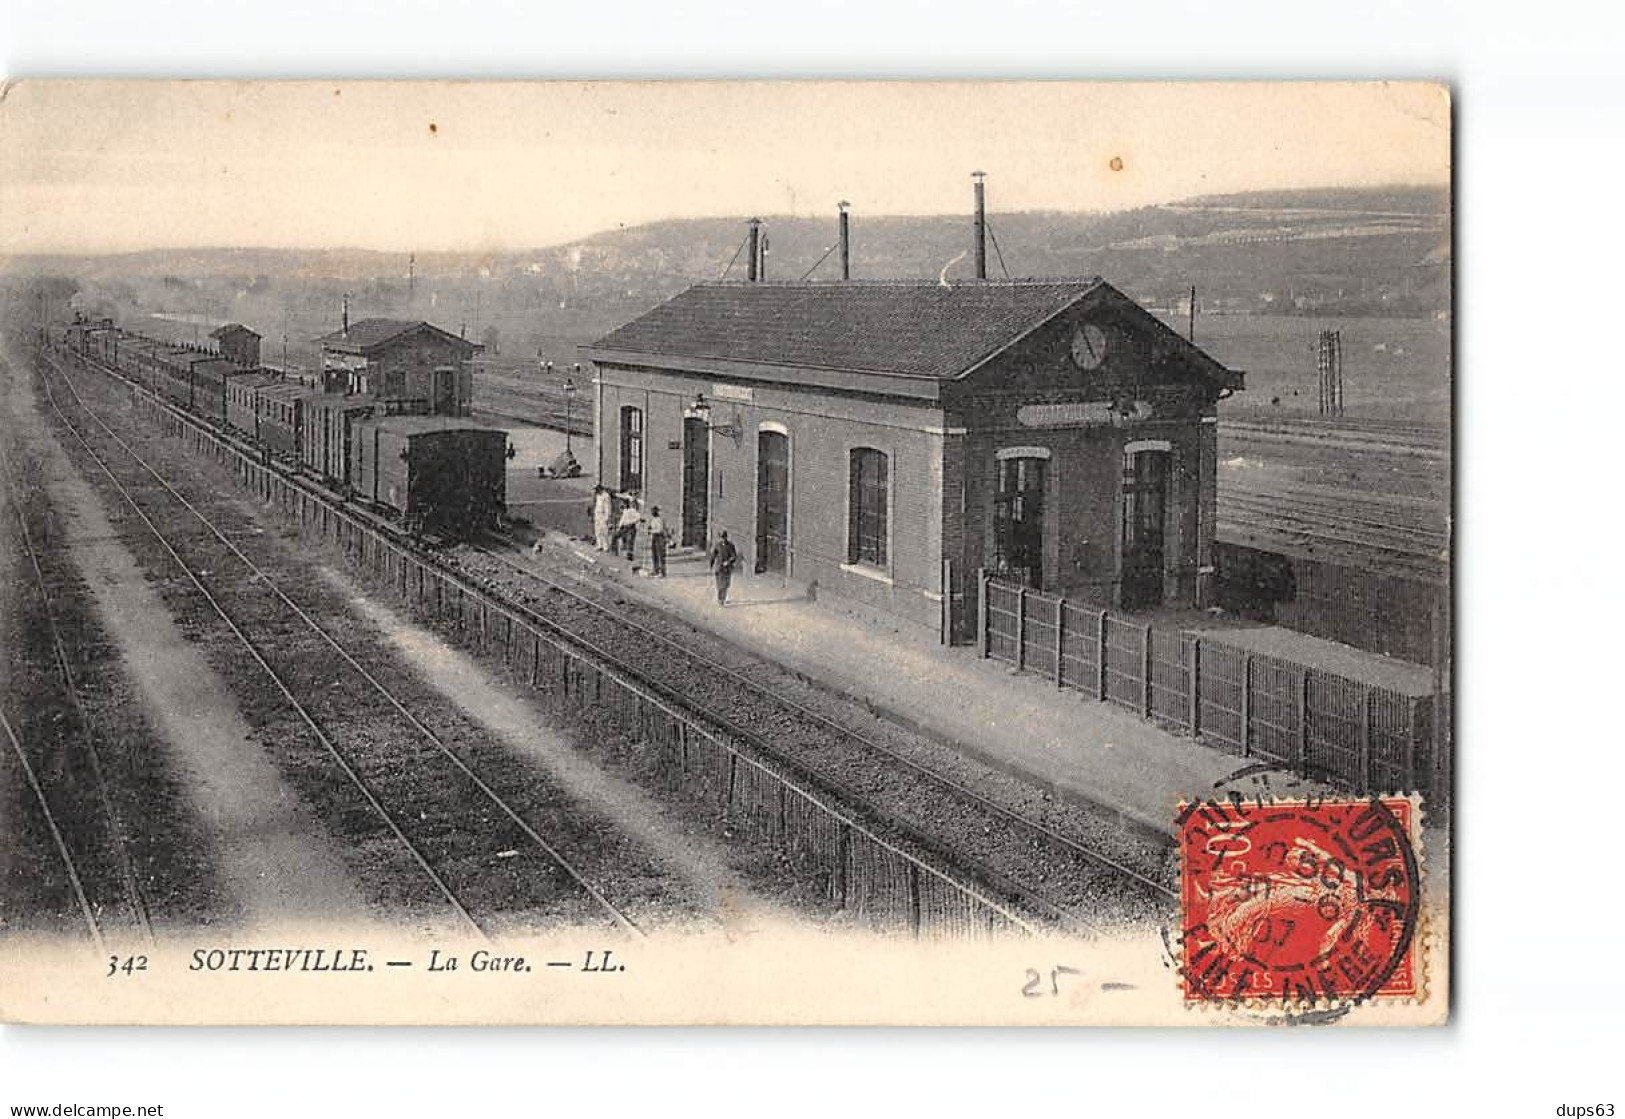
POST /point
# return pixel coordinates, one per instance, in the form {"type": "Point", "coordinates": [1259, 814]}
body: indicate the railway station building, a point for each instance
{"type": "Point", "coordinates": [400, 359]}
{"type": "Point", "coordinates": [882, 441]}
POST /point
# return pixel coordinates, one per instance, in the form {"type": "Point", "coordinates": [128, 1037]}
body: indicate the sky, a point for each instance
{"type": "Point", "coordinates": [118, 166]}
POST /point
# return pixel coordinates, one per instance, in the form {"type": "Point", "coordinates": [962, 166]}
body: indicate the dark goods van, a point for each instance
{"type": "Point", "coordinates": [438, 474]}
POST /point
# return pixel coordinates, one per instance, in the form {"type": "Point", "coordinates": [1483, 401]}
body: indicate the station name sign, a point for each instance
{"type": "Point", "coordinates": [1091, 413]}
{"type": "Point", "coordinates": [733, 392]}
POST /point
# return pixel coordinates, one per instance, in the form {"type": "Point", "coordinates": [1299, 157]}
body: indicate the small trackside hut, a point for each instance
{"type": "Point", "coordinates": [885, 440]}
{"type": "Point", "coordinates": [400, 360]}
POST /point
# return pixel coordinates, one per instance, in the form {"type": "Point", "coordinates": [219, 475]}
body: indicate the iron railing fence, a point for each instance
{"type": "Point", "coordinates": [1325, 726]}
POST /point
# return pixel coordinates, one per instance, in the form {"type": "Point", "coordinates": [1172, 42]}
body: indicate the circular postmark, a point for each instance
{"type": "Point", "coordinates": [1300, 902]}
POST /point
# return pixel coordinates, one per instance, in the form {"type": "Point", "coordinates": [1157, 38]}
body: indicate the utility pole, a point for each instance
{"type": "Point", "coordinates": [411, 282]}
{"type": "Point", "coordinates": [1190, 331]}
{"type": "Point", "coordinates": [1329, 365]}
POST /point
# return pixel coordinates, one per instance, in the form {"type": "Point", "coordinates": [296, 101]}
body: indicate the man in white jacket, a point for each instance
{"type": "Point", "coordinates": [603, 509]}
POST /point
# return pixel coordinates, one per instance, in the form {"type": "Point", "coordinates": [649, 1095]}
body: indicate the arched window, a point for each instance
{"type": "Point", "coordinates": [631, 449]}
{"type": "Point", "coordinates": [866, 529]}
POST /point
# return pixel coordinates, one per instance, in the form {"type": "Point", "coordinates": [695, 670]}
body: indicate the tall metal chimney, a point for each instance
{"type": "Point", "coordinates": [752, 249]}
{"type": "Point", "coordinates": [846, 242]}
{"type": "Point", "coordinates": [761, 264]}
{"type": "Point", "coordinates": [980, 224]}
{"type": "Point", "coordinates": [346, 320]}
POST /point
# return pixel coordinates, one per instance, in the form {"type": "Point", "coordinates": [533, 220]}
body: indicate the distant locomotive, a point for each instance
{"type": "Point", "coordinates": [441, 474]}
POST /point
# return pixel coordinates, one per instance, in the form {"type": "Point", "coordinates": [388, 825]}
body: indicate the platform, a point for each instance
{"type": "Point", "coordinates": [1082, 749]}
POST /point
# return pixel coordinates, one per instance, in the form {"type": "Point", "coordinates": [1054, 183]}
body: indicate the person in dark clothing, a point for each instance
{"type": "Point", "coordinates": [722, 559]}
{"type": "Point", "coordinates": [626, 530]}
{"type": "Point", "coordinates": [657, 541]}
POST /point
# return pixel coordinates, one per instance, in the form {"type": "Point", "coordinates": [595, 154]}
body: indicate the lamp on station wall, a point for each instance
{"type": "Point", "coordinates": [701, 410]}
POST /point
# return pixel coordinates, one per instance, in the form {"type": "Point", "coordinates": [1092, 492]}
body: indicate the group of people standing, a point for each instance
{"type": "Point", "coordinates": [619, 533]}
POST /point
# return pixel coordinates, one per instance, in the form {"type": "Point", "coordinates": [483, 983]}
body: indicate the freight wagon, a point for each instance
{"type": "Point", "coordinates": [243, 401]}
{"type": "Point", "coordinates": [209, 379]}
{"type": "Point", "coordinates": [324, 436]}
{"type": "Point", "coordinates": [439, 473]}
{"type": "Point", "coordinates": [280, 412]}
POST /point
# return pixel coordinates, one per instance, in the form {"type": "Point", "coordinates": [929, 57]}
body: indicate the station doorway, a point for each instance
{"type": "Point", "coordinates": [1145, 508]}
{"type": "Point", "coordinates": [445, 392]}
{"type": "Point", "coordinates": [696, 483]}
{"type": "Point", "coordinates": [772, 502]}
{"type": "Point", "coordinates": [1018, 520]}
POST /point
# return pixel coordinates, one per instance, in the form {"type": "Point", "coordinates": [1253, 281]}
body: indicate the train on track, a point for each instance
{"type": "Point", "coordinates": [436, 474]}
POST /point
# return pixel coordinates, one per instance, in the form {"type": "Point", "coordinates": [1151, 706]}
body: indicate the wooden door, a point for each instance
{"type": "Point", "coordinates": [1145, 508]}
{"type": "Point", "coordinates": [696, 483]}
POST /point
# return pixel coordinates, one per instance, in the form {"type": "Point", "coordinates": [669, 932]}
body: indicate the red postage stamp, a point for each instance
{"type": "Point", "coordinates": [1299, 902]}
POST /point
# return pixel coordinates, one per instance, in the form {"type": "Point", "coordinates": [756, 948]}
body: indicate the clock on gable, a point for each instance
{"type": "Point", "coordinates": [1089, 347]}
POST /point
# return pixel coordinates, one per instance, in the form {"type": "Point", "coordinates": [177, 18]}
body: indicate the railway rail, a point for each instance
{"type": "Point", "coordinates": [1077, 876]}
{"type": "Point", "coordinates": [1396, 437]}
{"type": "Point", "coordinates": [421, 767]}
{"type": "Point", "coordinates": [1395, 535]}
{"type": "Point", "coordinates": [58, 840]}
{"type": "Point", "coordinates": [85, 733]}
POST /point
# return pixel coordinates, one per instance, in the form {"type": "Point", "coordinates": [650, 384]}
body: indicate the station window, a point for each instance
{"type": "Point", "coordinates": [866, 528]}
{"type": "Point", "coordinates": [631, 449]}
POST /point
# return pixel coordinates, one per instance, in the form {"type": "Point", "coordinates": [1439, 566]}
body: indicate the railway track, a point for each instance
{"type": "Point", "coordinates": [1397, 437]}
{"type": "Point", "coordinates": [106, 838]}
{"type": "Point", "coordinates": [1398, 535]}
{"type": "Point", "coordinates": [386, 749]}
{"type": "Point", "coordinates": [1062, 877]}
{"type": "Point", "coordinates": [533, 403]}
{"type": "Point", "coordinates": [1351, 521]}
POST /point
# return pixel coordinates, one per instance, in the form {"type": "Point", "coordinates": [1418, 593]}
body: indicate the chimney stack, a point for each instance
{"type": "Point", "coordinates": [753, 249]}
{"type": "Point", "coordinates": [981, 225]}
{"type": "Point", "coordinates": [346, 320]}
{"type": "Point", "coordinates": [846, 242]}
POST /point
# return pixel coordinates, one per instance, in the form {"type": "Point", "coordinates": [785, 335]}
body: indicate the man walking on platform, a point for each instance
{"type": "Point", "coordinates": [723, 557]}
{"type": "Point", "coordinates": [657, 541]}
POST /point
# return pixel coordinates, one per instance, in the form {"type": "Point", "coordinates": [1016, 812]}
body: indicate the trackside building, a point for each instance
{"type": "Point", "coordinates": [882, 441]}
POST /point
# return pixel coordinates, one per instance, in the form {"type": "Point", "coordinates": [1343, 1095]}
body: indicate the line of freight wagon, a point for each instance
{"type": "Point", "coordinates": [436, 474]}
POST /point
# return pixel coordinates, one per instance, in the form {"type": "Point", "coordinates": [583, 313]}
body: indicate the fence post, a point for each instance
{"type": "Point", "coordinates": [981, 613]}
{"type": "Point", "coordinates": [1247, 705]}
{"type": "Point", "coordinates": [1021, 628]}
{"type": "Point", "coordinates": [1412, 733]}
{"type": "Point", "coordinates": [838, 880]}
{"type": "Point", "coordinates": [1303, 720]}
{"type": "Point", "coordinates": [914, 898]}
{"type": "Point", "coordinates": [1060, 642]}
{"type": "Point", "coordinates": [1365, 738]}
{"type": "Point", "coordinates": [1145, 671]}
{"type": "Point", "coordinates": [1194, 683]}
{"type": "Point", "coordinates": [1100, 657]}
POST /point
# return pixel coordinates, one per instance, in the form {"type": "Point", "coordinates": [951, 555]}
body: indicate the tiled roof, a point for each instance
{"type": "Point", "coordinates": [371, 334]}
{"type": "Point", "coordinates": [913, 328]}
{"type": "Point", "coordinates": [231, 328]}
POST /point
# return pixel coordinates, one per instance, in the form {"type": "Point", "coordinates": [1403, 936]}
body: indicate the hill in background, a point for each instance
{"type": "Point", "coordinates": [1318, 253]}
